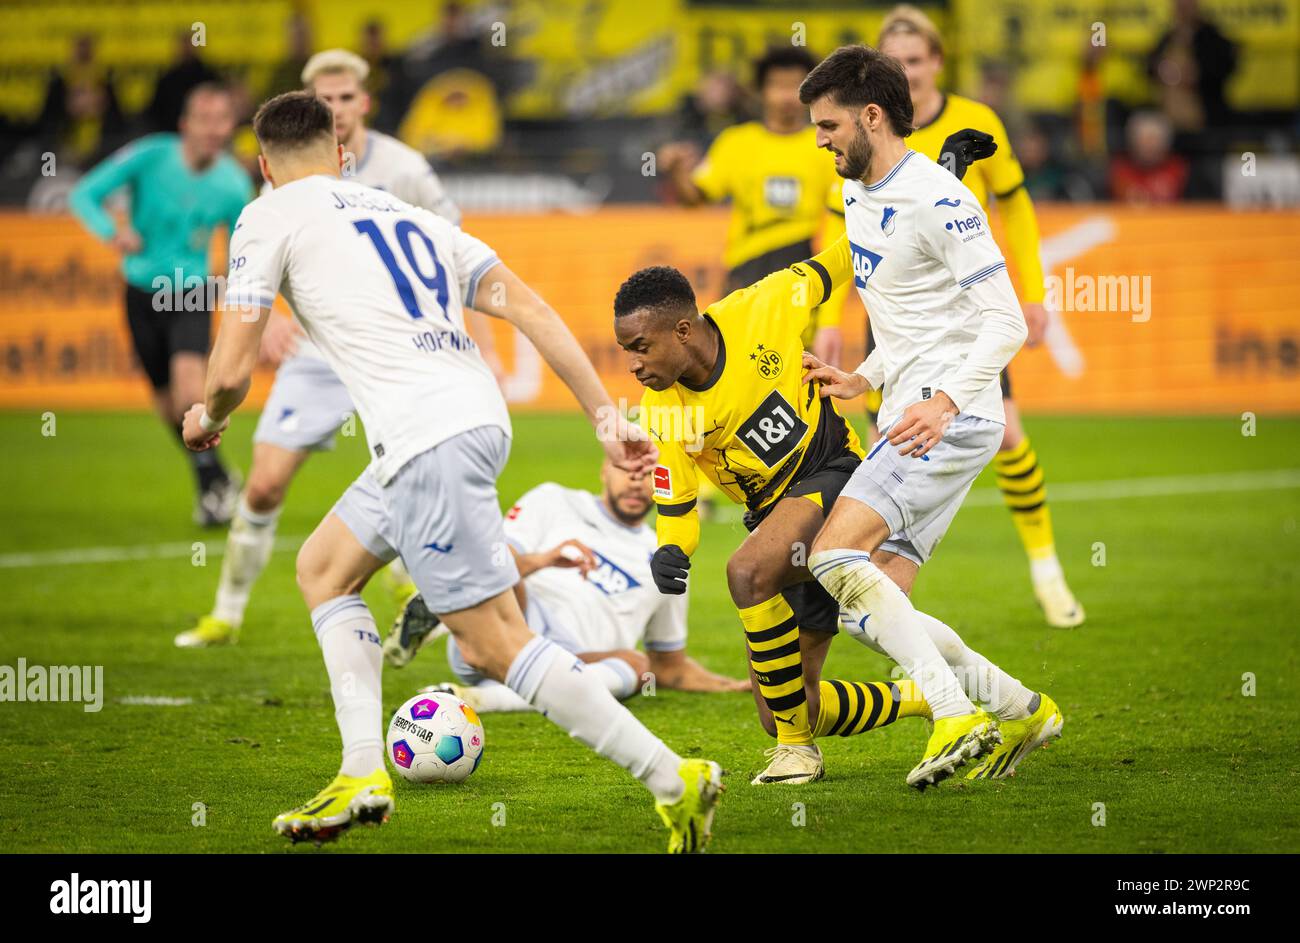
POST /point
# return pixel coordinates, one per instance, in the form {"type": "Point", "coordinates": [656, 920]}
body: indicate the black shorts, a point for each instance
{"type": "Point", "coordinates": [157, 335]}
{"type": "Point", "coordinates": [874, 396]}
{"type": "Point", "coordinates": [813, 607]}
{"type": "Point", "coordinates": [761, 266]}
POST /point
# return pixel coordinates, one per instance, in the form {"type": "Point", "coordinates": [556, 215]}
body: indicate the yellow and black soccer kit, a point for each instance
{"type": "Point", "coordinates": [778, 185]}
{"type": "Point", "coordinates": [759, 435]}
{"type": "Point", "coordinates": [1001, 178]}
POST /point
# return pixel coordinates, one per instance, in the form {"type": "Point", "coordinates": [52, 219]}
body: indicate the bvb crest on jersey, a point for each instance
{"type": "Point", "coordinates": [768, 362]}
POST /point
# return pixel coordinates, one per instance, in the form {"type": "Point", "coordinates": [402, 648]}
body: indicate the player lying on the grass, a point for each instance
{"type": "Point", "coordinates": [909, 36]}
{"type": "Point", "coordinates": [585, 564]}
{"type": "Point", "coordinates": [947, 322]}
{"type": "Point", "coordinates": [308, 402]}
{"type": "Point", "coordinates": [380, 287]}
{"type": "Point", "coordinates": [181, 187]}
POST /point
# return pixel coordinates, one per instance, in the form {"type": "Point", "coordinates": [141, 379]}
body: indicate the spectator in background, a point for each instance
{"type": "Point", "coordinates": [717, 103]}
{"type": "Point", "coordinates": [450, 102]}
{"type": "Point", "coordinates": [1044, 176]}
{"type": "Point", "coordinates": [458, 42]}
{"type": "Point", "coordinates": [1191, 65]}
{"type": "Point", "coordinates": [1149, 172]}
{"type": "Point", "coordinates": [385, 74]}
{"type": "Point", "coordinates": [287, 76]}
{"type": "Point", "coordinates": [998, 92]}
{"type": "Point", "coordinates": [1090, 110]}
{"type": "Point", "coordinates": [81, 120]}
{"type": "Point", "coordinates": [186, 73]}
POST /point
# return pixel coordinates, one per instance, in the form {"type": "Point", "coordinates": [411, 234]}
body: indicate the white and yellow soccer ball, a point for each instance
{"type": "Point", "coordinates": [435, 738]}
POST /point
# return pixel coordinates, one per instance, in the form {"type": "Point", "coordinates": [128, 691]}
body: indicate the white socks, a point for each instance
{"type": "Point", "coordinates": [617, 676]}
{"type": "Point", "coordinates": [493, 697]}
{"type": "Point", "coordinates": [614, 673]}
{"type": "Point", "coordinates": [248, 547]}
{"type": "Point", "coordinates": [1045, 570]}
{"type": "Point", "coordinates": [984, 681]}
{"type": "Point", "coordinates": [346, 632]}
{"type": "Point", "coordinates": [571, 696]}
{"type": "Point", "coordinates": [877, 611]}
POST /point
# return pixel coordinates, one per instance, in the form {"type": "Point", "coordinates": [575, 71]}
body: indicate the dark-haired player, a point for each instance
{"type": "Point", "coordinates": [724, 401]}
{"type": "Point", "coordinates": [909, 36]}
{"type": "Point", "coordinates": [381, 287]}
{"type": "Point", "coordinates": [947, 322]}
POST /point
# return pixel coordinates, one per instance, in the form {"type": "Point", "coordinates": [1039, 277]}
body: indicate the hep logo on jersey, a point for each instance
{"type": "Point", "coordinates": [864, 264]}
{"type": "Point", "coordinates": [663, 482]}
{"type": "Point", "coordinates": [969, 227]}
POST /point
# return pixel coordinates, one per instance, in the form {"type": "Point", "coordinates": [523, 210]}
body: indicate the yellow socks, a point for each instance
{"type": "Point", "coordinates": [773, 638]}
{"type": "Point", "coordinates": [853, 707]}
{"type": "Point", "coordinates": [1020, 478]}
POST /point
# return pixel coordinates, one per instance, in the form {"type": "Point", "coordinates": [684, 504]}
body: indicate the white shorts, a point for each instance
{"type": "Point", "coordinates": [441, 514]}
{"type": "Point", "coordinates": [919, 497]}
{"type": "Point", "coordinates": [305, 407]}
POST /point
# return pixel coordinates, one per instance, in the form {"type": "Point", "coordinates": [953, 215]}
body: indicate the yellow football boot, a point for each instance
{"type": "Point", "coordinates": [210, 632]}
{"type": "Point", "coordinates": [690, 818]}
{"type": "Point", "coordinates": [954, 741]}
{"type": "Point", "coordinates": [348, 799]}
{"type": "Point", "coordinates": [1019, 738]}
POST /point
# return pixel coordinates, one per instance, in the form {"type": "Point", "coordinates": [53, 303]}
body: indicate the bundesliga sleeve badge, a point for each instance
{"type": "Point", "coordinates": [663, 482]}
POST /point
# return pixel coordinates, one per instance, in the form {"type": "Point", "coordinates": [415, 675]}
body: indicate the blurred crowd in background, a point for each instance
{"type": "Point", "coordinates": [512, 127]}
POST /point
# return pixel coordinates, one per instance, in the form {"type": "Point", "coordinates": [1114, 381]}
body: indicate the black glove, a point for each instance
{"type": "Point", "coordinates": [668, 566]}
{"type": "Point", "coordinates": [963, 148]}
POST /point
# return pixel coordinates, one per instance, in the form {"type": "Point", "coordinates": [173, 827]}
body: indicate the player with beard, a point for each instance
{"type": "Point", "coordinates": [586, 585]}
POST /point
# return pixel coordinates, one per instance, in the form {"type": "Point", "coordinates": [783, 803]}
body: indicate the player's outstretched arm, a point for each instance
{"type": "Point", "coordinates": [678, 671]}
{"type": "Point", "coordinates": [230, 370]}
{"type": "Point", "coordinates": [502, 294]}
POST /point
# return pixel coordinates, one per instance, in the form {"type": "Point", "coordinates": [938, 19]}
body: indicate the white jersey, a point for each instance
{"type": "Point", "coordinates": [617, 605]}
{"type": "Point", "coordinates": [380, 286]}
{"type": "Point", "coordinates": [395, 168]}
{"type": "Point", "coordinates": [919, 241]}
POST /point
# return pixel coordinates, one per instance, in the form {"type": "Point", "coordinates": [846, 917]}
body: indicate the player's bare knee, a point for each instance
{"type": "Point", "coordinates": [319, 580]}
{"type": "Point", "coordinates": [751, 580]}
{"type": "Point", "coordinates": [263, 494]}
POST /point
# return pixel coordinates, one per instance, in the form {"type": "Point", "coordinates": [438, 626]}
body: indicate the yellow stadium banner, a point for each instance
{"type": "Point", "coordinates": [1157, 311]}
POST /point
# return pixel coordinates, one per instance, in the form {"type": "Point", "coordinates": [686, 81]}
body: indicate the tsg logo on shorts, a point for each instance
{"type": "Point", "coordinates": [864, 264]}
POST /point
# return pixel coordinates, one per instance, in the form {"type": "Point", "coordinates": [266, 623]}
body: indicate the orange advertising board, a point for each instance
{"type": "Point", "coordinates": [1181, 310]}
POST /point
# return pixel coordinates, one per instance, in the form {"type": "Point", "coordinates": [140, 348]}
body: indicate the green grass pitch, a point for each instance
{"type": "Point", "coordinates": [1198, 588]}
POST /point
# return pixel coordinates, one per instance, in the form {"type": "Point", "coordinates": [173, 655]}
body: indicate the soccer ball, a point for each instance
{"type": "Point", "coordinates": [435, 738]}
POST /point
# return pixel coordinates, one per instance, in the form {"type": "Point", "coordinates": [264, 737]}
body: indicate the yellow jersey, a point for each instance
{"type": "Point", "coordinates": [753, 427]}
{"type": "Point", "coordinates": [999, 177]}
{"type": "Point", "coordinates": [777, 183]}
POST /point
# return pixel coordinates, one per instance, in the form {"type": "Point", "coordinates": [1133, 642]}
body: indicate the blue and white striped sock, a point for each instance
{"type": "Point", "coordinates": [880, 615]}
{"type": "Point", "coordinates": [346, 632]}
{"type": "Point", "coordinates": [560, 686]}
